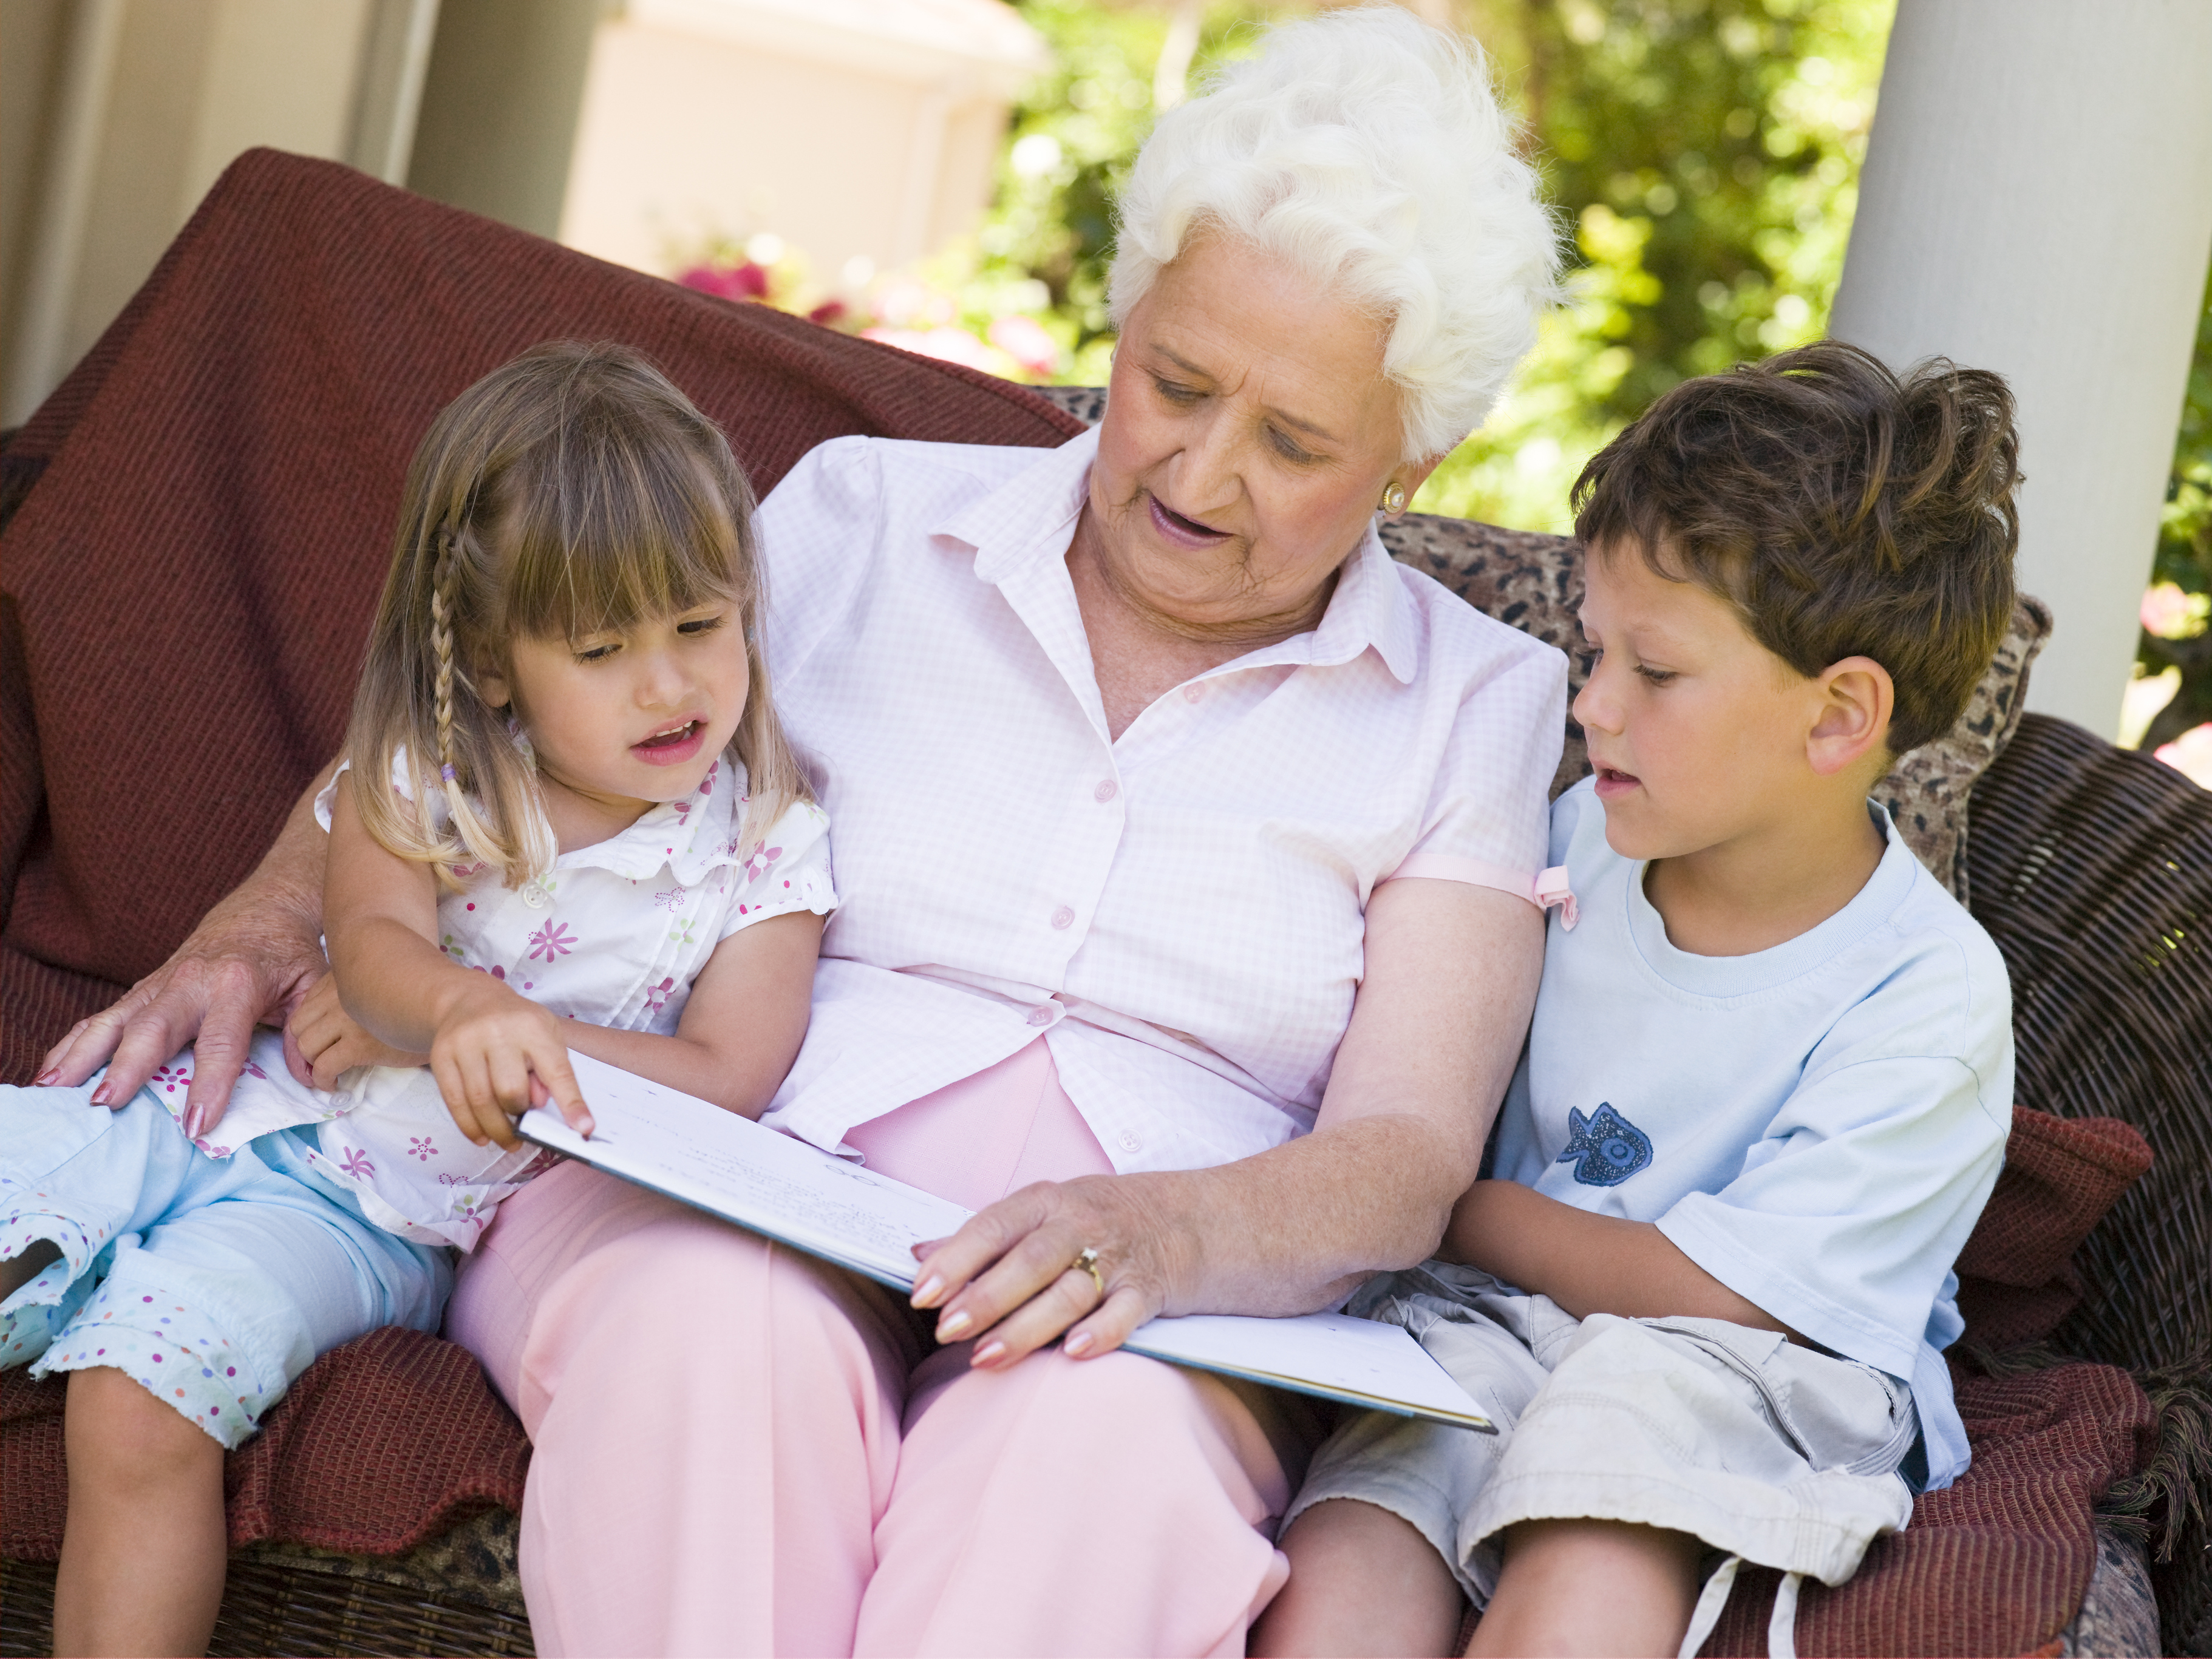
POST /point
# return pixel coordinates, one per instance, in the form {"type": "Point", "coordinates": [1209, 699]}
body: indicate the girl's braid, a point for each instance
{"type": "Point", "coordinates": [441, 642]}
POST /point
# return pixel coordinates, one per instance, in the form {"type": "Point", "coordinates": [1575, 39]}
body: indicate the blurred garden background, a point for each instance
{"type": "Point", "coordinates": [940, 174]}
{"type": "Point", "coordinates": [1704, 156]}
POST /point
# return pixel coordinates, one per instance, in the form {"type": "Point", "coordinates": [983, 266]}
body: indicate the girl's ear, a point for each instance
{"type": "Point", "coordinates": [491, 685]}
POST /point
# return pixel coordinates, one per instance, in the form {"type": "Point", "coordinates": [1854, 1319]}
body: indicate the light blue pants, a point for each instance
{"type": "Point", "coordinates": [212, 1282]}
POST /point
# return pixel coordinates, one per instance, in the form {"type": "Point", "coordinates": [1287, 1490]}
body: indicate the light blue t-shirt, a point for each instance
{"type": "Point", "coordinates": [1817, 1125]}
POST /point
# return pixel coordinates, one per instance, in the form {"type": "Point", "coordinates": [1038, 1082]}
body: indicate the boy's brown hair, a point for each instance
{"type": "Point", "coordinates": [1843, 511]}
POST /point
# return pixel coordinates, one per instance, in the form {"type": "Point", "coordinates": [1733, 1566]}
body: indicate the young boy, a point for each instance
{"type": "Point", "coordinates": [1768, 1082]}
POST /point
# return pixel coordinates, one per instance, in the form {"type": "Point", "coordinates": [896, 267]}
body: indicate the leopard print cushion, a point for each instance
{"type": "Point", "coordinates": [1534, 581]}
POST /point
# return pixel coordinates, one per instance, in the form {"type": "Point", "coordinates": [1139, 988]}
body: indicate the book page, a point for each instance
{"type": "Point", "coordinates": [783, 1189]}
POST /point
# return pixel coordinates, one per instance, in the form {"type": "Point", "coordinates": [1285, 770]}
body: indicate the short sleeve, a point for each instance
{"type": "Point", "coordinates": [402, 785]}
{"type": "Point", "coordinates": [1848, 1215]}
{"type": "Point", "coordinates": [788, 869]}
{"type": "Point", "coordinates": [1488, 819]}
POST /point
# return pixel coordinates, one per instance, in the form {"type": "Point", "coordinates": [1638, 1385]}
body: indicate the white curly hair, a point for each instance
{"type": "Point", "coordinates": [1367, 149]}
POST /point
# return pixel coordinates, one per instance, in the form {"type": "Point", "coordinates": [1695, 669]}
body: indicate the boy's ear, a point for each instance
{"type": "Point", "coordinates": [1857, 697]}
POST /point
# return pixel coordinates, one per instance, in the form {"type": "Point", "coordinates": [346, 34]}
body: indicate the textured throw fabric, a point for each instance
{"type": "Point", "coordinates": [2016, 1281]}
{"type": "Point", "coordinates": [185, 585]}
{"type": "Point", "coordinates": [1996, 1563]}
{"type": "Point", "coordinates": [379, 1445]}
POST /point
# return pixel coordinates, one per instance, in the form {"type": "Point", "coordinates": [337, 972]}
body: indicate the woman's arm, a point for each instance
{"type": "Point", "coordinates": [1451, 978]}
{"type": "Point", "coordinates": [1589, 1263]}
{"type": "Point", "coordinates": [250, 961]}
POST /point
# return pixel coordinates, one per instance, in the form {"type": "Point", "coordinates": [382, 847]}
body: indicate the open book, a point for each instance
{"type": "Point", "coordinates": [798, 1194]}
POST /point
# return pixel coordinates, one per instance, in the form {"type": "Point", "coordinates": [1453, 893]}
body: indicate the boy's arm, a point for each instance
{"type": "Point", "coordinates": [1589, 1263]}
{"type": "Point", "coordinates": [742, 1026]}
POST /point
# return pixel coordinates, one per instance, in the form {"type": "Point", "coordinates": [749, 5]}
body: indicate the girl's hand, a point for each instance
{"type": "Point", "coordinates": [331, 1042]}
{"type": "Point", "coordinates": [493, 1045]}
{"type": "Point", "coordinates": [1011, 1277]}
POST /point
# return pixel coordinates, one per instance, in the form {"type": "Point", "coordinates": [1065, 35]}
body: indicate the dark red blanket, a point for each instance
{"type": "Point", "coordinates": [379, 1445]}
{"type": "Point", "coordinates": [184, 589]}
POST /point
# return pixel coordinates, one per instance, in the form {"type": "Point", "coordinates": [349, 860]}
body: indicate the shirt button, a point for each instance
{"type": "Point", "coordinates": [1129, 1142]}
{"type": "Point", "coordinates": [1106, 791]}
{"type": "Point", "coordinates": [1192, 694]}
{"type": "Point", "coordinates": [1062, 917]}
{"type": "Point", "coordinates": [1040, 1016]}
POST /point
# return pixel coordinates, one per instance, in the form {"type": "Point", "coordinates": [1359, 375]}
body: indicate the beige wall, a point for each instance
{"type": "Point", "coordinates": [118, 116]}
{"type": "Point", "coordinates": [847, 130]}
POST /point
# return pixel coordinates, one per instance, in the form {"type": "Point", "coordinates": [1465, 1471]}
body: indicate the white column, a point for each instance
{"type": "Point", "coordinates": [2037, 199]}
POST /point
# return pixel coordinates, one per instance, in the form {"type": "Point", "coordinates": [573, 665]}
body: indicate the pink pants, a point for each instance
{"type": "Point", "coordinates": [742, 1450]}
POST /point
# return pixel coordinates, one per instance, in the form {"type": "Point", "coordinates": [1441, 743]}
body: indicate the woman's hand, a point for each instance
{"type": "Point", "coordinates": [1451, 973]}
{"type": "Point", "coordinates": [496, 1055]}
{"type": "Point", "coordinates": [331, 1042]}
{"type": "Point", "coordinates": [251, 960]}
{"type": "Point", "coordinates": [1010, 1280]}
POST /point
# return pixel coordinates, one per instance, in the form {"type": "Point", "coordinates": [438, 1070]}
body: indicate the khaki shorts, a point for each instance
{"type": "Point", "coordinates": [1776, 1453]}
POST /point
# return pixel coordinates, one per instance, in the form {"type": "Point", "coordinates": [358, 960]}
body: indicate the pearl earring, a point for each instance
{"type": "Point", "coordinates": [1394, 497]}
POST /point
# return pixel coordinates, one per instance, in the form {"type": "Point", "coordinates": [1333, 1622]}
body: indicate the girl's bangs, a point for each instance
{"type": "Point", "coordinates": [641, 535]}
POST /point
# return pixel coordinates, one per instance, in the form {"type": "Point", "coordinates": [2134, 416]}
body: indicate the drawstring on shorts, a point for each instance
{"type": "Point", "coordinates": [1781, 1629]}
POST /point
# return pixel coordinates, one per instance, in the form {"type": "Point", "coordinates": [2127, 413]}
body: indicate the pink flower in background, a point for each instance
{"type": "Point", "coordinates": [2191, 754]}
{"type": "Point", "coordinates": [1024, 340]}
{"type": "Point", "coordinates": [829, 312]}
{"type": "Point", "coordinates": [745, 282]}
{"type": "Point", "coordinates": [2169, 613]}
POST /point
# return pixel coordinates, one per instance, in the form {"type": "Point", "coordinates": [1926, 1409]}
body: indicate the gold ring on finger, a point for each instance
{"type": "Point", "coordinates": [1087, 1262]}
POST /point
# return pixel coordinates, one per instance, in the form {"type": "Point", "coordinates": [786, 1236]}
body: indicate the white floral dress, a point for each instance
{"type": "Point", "coordinates": [614, 935]}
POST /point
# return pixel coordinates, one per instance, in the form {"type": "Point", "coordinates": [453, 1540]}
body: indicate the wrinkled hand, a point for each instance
{"type": "Point", "coordinates": [330, 1042]}
{"type": "Point", "coordinates": [496, 1055]}
{"type": "Point", "coordinates": [1007, 1278]}
{"type": "Point", "coordinates": [250, 961]}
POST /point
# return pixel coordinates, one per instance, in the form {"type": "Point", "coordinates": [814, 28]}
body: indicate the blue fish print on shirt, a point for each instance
{"type": "Point", "coordinates": [1605, 1148]}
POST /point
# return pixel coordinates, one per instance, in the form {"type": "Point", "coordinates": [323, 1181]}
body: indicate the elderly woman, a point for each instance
{"type": "Point", "coordinates": [1187, 847]}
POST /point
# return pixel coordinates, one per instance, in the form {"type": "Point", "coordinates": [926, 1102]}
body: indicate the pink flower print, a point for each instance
{"type": "Point", "coordinates": [656, 996]}
{"type": "Point", "coordinates": [356, 1164]}
{"type": "Point", "coordinates": [419, 1146]}
{"type": "Point", "coordinates": [553, 941]}
{"type": "Point", "coordinates": [169, 1076]}
{"type": "Point", "coordinates": [707, 783]}
{"type": "Point", "coordinates": [683, 811]}
{"type": "Point", "coordinates": [495, 972]}
{"type": "Point", "coordinates": [253, 1070]}
{"type": "Point", "coordinates": [672, 899]}
{"type": "Point", "coordinates": [761, 860]}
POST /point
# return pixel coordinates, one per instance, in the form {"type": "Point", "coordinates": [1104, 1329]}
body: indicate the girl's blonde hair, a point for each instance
{"type": "Point", "coordinates": [570, 491]}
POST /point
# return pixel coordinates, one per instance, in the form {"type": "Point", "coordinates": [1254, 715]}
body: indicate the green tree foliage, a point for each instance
{"type": "Point", "coordinates": [1704, 156]}
{"type": "Point", "coordinates": [2184, 641]}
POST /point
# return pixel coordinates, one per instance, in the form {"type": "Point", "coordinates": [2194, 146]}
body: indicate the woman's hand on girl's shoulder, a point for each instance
{"type": "Point", "coordinates": [496, 1055]}
{"type": "Point", "coordinates": [1021, 1272]}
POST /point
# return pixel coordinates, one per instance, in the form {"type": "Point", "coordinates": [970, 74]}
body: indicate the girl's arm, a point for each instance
{"type": "Point", "coordinates": [739, 1033]}
{"type": "Point", "coordinates": [741, 1029]}
{"type": "Point", "coordinates": [1589, 1263]}
{"type": "Point", "coordinates": [487, 1044]}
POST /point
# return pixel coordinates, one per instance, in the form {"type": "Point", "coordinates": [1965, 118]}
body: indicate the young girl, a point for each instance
{"type": "Point", "coordinates": [567, 818]}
